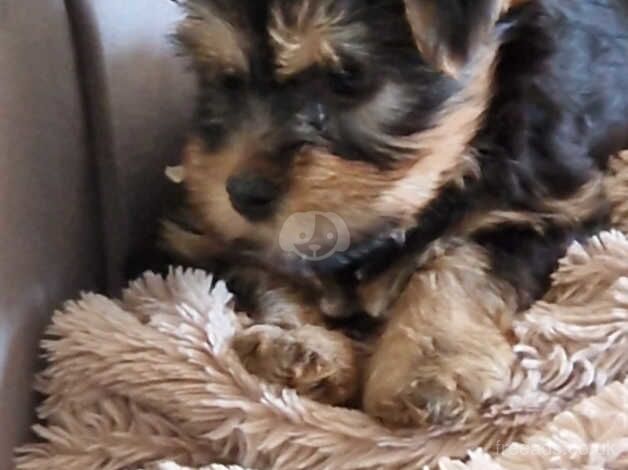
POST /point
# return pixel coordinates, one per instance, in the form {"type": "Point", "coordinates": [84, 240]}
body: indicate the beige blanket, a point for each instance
{"type": "Point", "coordinates": [151, 378]}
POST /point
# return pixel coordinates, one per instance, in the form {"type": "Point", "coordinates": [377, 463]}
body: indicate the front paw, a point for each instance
{"type": "Point", "coordinates": [453, 392]}
{"type": "Point", "coordinates": [317, 363]}
{"type": "Point", "coordinates": [420, 404]}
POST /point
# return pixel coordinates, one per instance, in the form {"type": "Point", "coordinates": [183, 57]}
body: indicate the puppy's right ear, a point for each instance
{"type": "Point", "coordinates": [213, 35]}
{"type": "Point", "coordinates": [448, 32]}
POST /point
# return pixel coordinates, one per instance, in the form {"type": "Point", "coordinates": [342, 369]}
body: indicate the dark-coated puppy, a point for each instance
{"type": "Point", "coordinates": [425, 162]}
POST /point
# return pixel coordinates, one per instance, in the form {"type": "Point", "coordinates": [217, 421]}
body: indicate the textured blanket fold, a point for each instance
{"type": "Point", "coordinates": [151, 378]}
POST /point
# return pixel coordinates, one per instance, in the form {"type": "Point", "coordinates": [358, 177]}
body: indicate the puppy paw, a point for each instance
{"type": "Point", "coordinates": [439, 395]}
{"type": "Point", "coordinates": [419, 405]}
{"type": "Point", "coordinates": [449, 400]}
{"type": "Point", "coordinates": [317, 363]}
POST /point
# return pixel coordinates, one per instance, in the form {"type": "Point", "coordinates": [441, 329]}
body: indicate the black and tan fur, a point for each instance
{"type": "Point", "coordinates": [463, 143]}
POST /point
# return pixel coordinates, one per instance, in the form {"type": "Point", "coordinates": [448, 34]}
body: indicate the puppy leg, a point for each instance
{"type": "Point", "coordinates": [291, 347]}
{"type": "Point", "coordinates": [445, 351]}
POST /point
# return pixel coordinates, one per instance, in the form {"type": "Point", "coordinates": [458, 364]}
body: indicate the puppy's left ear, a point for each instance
{"type": "Point", "coordinates": [448, 32]}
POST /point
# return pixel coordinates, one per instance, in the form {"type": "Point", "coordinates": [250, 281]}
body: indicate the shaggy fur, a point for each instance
{"type": "Point", "coordinates": [153, 377]}
{"type": "Point", "coordinates": [462, 145]}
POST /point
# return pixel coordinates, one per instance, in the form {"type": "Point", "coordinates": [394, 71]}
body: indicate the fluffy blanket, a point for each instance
{"type": "Point", "coordinates": [150, 379]}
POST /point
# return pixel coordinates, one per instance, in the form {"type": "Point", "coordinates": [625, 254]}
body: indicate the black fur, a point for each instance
{"type": "Point", "coordinates": [559, 111]}
{"type": "Point", "coordinates": [562, 96]}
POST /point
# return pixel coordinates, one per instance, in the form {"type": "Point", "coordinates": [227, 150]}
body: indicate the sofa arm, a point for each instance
{"type": "Point", "coordinates": [93, 105]}
{"type": "Point", "coordinates": [49, 220]}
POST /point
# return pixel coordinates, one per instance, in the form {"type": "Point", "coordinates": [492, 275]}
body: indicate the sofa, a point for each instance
{"type": "Point", "coordinates": [94, 103]}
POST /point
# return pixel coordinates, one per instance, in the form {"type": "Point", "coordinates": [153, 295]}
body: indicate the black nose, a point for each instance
{"type": "Point", "coordinates": [252, 196]}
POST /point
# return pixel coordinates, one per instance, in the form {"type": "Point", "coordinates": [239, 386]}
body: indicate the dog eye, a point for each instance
{"type": "Point", "coordinates": [349, 80]}
{"type": "Point", "coordinates": [232, 82]}
{"type": "Point", "coordinates": [212, 130]}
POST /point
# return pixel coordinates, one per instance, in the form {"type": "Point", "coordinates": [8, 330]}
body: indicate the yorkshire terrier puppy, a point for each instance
{"type": "Point", "coordinates": [422, 162]}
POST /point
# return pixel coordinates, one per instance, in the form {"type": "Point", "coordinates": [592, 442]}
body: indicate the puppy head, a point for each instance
{"type": "Point", "coordinates": [358, 108]}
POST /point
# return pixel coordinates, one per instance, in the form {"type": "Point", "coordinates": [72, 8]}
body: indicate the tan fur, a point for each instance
{"type": "Point", "coordinates": [321, 182]}
{"type": "Point", "coordinates": [616, 186]}
{"type": "Point", "coordinates": [376, 296]}
{"type": "Point", "coordinates": [310, 33]}
{"type": "Point", "coordinates": [290, 346]}
{"type": "Point", "coordinates": [329, 183]}
{"type": "Point", "coordinates": [444, 149]}
{"type": "Point", "coordinates": [216, 44]}
{"type": "Point", "coordinates": [577, 208]}
{"type": "Point", "coordinates": [445, 350]}
{"type": "Point", "coordinates": [187, 245]}
{"type": "Point", "coordinates": [318, 363]}
{"type": "Point", "coordinates": [206, 179]}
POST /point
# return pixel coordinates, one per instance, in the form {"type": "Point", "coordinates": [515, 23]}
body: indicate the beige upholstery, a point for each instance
{"type": "Point", "coordinates": [93, 104]}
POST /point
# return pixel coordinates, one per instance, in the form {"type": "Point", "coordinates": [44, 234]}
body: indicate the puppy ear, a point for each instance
{"type": "Point", "coordinates": [448, 32]}
{"type": "Point", "coordinates": [214, 35]}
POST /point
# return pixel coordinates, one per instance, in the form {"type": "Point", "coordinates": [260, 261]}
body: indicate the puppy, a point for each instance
{"type": "Point", "coordinates": [424, 162]}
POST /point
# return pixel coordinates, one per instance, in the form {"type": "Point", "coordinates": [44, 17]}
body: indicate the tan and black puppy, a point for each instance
{"type": "Point", "coordinates": [423, 161]}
